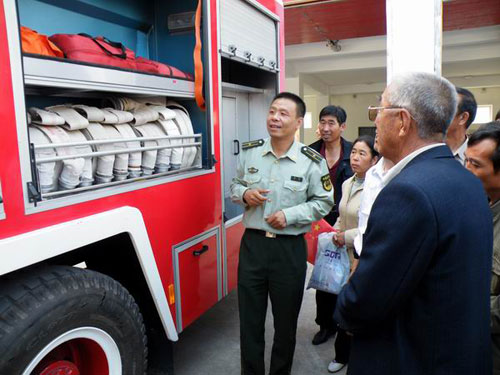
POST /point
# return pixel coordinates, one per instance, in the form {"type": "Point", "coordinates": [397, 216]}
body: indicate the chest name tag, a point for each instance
{"type": "Point", "coordinates": [295, 178]}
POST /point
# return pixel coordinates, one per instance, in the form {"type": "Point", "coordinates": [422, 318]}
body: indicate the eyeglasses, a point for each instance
{"type": "Point", "coordinates": [374, 111]}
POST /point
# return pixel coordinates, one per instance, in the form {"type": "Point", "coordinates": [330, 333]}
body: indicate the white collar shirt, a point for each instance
{"type": "Point", "coordinates": [459, 153]}
{"type": "Point", "coordinates": [373, 185]}
{"type": "Point", "coordinates": [376, 180]}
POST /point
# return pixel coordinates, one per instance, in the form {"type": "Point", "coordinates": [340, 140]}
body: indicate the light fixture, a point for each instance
{"type": "Point", "coordinates": [334, 45]}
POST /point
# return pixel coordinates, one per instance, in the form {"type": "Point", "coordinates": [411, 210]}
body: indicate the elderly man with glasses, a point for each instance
{"type": "Point", "coordinates": [418, 302]}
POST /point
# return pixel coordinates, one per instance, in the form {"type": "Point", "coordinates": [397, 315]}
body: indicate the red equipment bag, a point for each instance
{"type": "Point", "coordinates": [100, 50]}
{"type": "Point", "coordinates": [156, 67]}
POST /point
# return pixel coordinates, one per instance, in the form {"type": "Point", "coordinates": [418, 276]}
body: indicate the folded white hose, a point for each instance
{"type": "Point", "coordinates": [171, 129]}
{"type": "Point", "coordinates": [120, 167]}
{"type": "Point", "coordinates": [43, 117]}
{"type": "Point", "coordinates": [141, 113]}
{"type": "Point", "coordinates": [148, 157]}
{"type": "Point", "coordinates": [73, 119]}
{"type": "Point", "coordinates": [153, 100]}
{"type": "Point", "coordinates": [110, 118]}
{"type": "Point", "coordinates": [164, 155]}
{"type": "Point", "coordinates": [144, 115]}
{"type": "Point", "coordinates": [122, 103]}
{"type": "Point", "coordinates": [47, 171]}
{"type": "Point", "coordinates": [72, 169]}
{"type": "Point", "coordinates": [164, 112]}
{"type": "Point", "coordinates": [104, 164]}
{"type": "Point", "coordinates": [86, 178]}
{"type": "Point", "coordinates": [123, 117]}
{"type": "Point", "coordinates": [92, 114]}
{"type": "Point", "coordinates": [159, 159]}
{"type": "Point", "coordinates": [134, 158]}
{"type": "Point", "coordinates": [186, 128]}
{"type": "Point", "coordinates": [194, 155]}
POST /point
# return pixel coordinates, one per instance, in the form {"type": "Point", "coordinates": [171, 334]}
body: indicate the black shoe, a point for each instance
{"type": "Point", "coordinates": [322, 336]}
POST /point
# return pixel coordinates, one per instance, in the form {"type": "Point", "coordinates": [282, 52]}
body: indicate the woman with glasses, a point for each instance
{"type": "Point", "coordinates": [363, 156]}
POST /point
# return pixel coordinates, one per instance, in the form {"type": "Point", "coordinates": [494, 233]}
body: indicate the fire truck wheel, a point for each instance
{"type": "Point", "coordinates": [69, 321]}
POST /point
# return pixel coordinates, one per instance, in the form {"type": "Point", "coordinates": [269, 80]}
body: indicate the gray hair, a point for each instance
{"type": "Point", "coordinates": [430, 99]}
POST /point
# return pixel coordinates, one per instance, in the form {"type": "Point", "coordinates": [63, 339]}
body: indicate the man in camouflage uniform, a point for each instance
{"type": "Point", "coordinates": [284, 186]}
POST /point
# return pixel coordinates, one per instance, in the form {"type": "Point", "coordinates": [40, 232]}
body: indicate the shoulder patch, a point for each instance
{"type": "Point", "coordinates": [252, 144]}
{"type": "Point", "coordinates": [326, 182]}
{"type": "Point", "coordinates": [311, 154]}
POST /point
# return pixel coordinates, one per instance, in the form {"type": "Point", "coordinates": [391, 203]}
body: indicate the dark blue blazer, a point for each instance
{"type": "Point", "coordinates": [418, 302]}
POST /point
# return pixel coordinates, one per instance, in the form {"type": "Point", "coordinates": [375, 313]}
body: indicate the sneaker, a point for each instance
{"type": "Point", "coordinates": [334, 366]}
{"type": "Point", "coordinates": [322, 336]}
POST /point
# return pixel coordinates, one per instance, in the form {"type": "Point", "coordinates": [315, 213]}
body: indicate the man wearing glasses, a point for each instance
{"type": "Point", "coordinates": [418, 302]}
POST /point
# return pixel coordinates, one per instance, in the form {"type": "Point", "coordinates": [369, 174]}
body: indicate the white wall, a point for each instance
{"type": "Point", "coordinates": [487, 95]}
{"type": "Point", "coordinates": [356, 107]}
{"type": "Point", "coordinates": [314, 104]}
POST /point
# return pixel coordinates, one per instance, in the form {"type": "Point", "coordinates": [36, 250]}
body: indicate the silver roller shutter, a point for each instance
{"type": "Point", "coordinates": [248, 34]}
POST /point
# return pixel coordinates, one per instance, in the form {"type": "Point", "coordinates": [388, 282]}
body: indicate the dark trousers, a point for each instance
{"type": "Point", "coordinates": [272, 268]}
{"type": "Point", "coordinates": [342, 346]}
{"type": "Point", "coordinates": [325, 306]}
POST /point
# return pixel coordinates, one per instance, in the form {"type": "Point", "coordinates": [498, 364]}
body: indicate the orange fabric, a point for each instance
{"type": "Point", "coordinates": [198, 64]}
{"type": "Point", "coordinates": [33, 42]}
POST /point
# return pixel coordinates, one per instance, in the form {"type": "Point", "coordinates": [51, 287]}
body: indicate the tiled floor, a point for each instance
{"type": "Point", "coordinates": [210, 346]}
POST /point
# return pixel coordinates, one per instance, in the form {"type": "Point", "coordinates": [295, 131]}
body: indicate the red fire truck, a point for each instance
{"type": "Point", "coordinates": [116, 227]}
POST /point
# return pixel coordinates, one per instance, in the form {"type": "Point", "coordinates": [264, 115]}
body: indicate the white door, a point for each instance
{"type": "Point", "coordinates": [235, 131]}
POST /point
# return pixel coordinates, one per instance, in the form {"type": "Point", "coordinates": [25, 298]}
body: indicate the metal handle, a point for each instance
{"type": "Point", "coordinates": [237, 147]}
{"type": "Point", "coordinates": [197, 253]}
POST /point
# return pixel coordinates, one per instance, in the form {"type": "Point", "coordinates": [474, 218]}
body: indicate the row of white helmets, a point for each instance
{"type": "Point", "coordinates": [124, 118]}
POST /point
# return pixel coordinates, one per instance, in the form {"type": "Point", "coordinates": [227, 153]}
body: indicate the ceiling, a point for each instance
{"type": "Point", "coordinates": [348, 19]}
{"type": "Point", "coordinates": [470, 55]}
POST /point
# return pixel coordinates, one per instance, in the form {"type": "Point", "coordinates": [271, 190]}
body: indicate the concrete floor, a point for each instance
{"type": "Point", "coordinates": [210, 346]}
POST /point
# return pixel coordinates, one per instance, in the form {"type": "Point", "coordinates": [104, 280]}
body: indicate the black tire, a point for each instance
{"type": "Point", "coordinates": [39, 306]}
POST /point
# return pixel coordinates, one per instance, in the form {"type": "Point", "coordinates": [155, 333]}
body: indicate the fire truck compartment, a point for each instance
{"type": "Point", "coordinates": [198, 279]}
{"type": "Point", "coordinates": [105, 155]}
{"type": "Point", "coordinates": [106, 152]}
{"type": "Point", "coordinates": [140, 25]}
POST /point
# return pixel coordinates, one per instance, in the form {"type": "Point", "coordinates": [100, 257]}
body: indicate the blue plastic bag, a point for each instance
{"type": "Point", "coordinates": [332, 267]}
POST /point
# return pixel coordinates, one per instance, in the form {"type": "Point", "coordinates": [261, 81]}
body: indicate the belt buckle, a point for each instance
{"type": "Point", "coordinates": [270, 235]}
